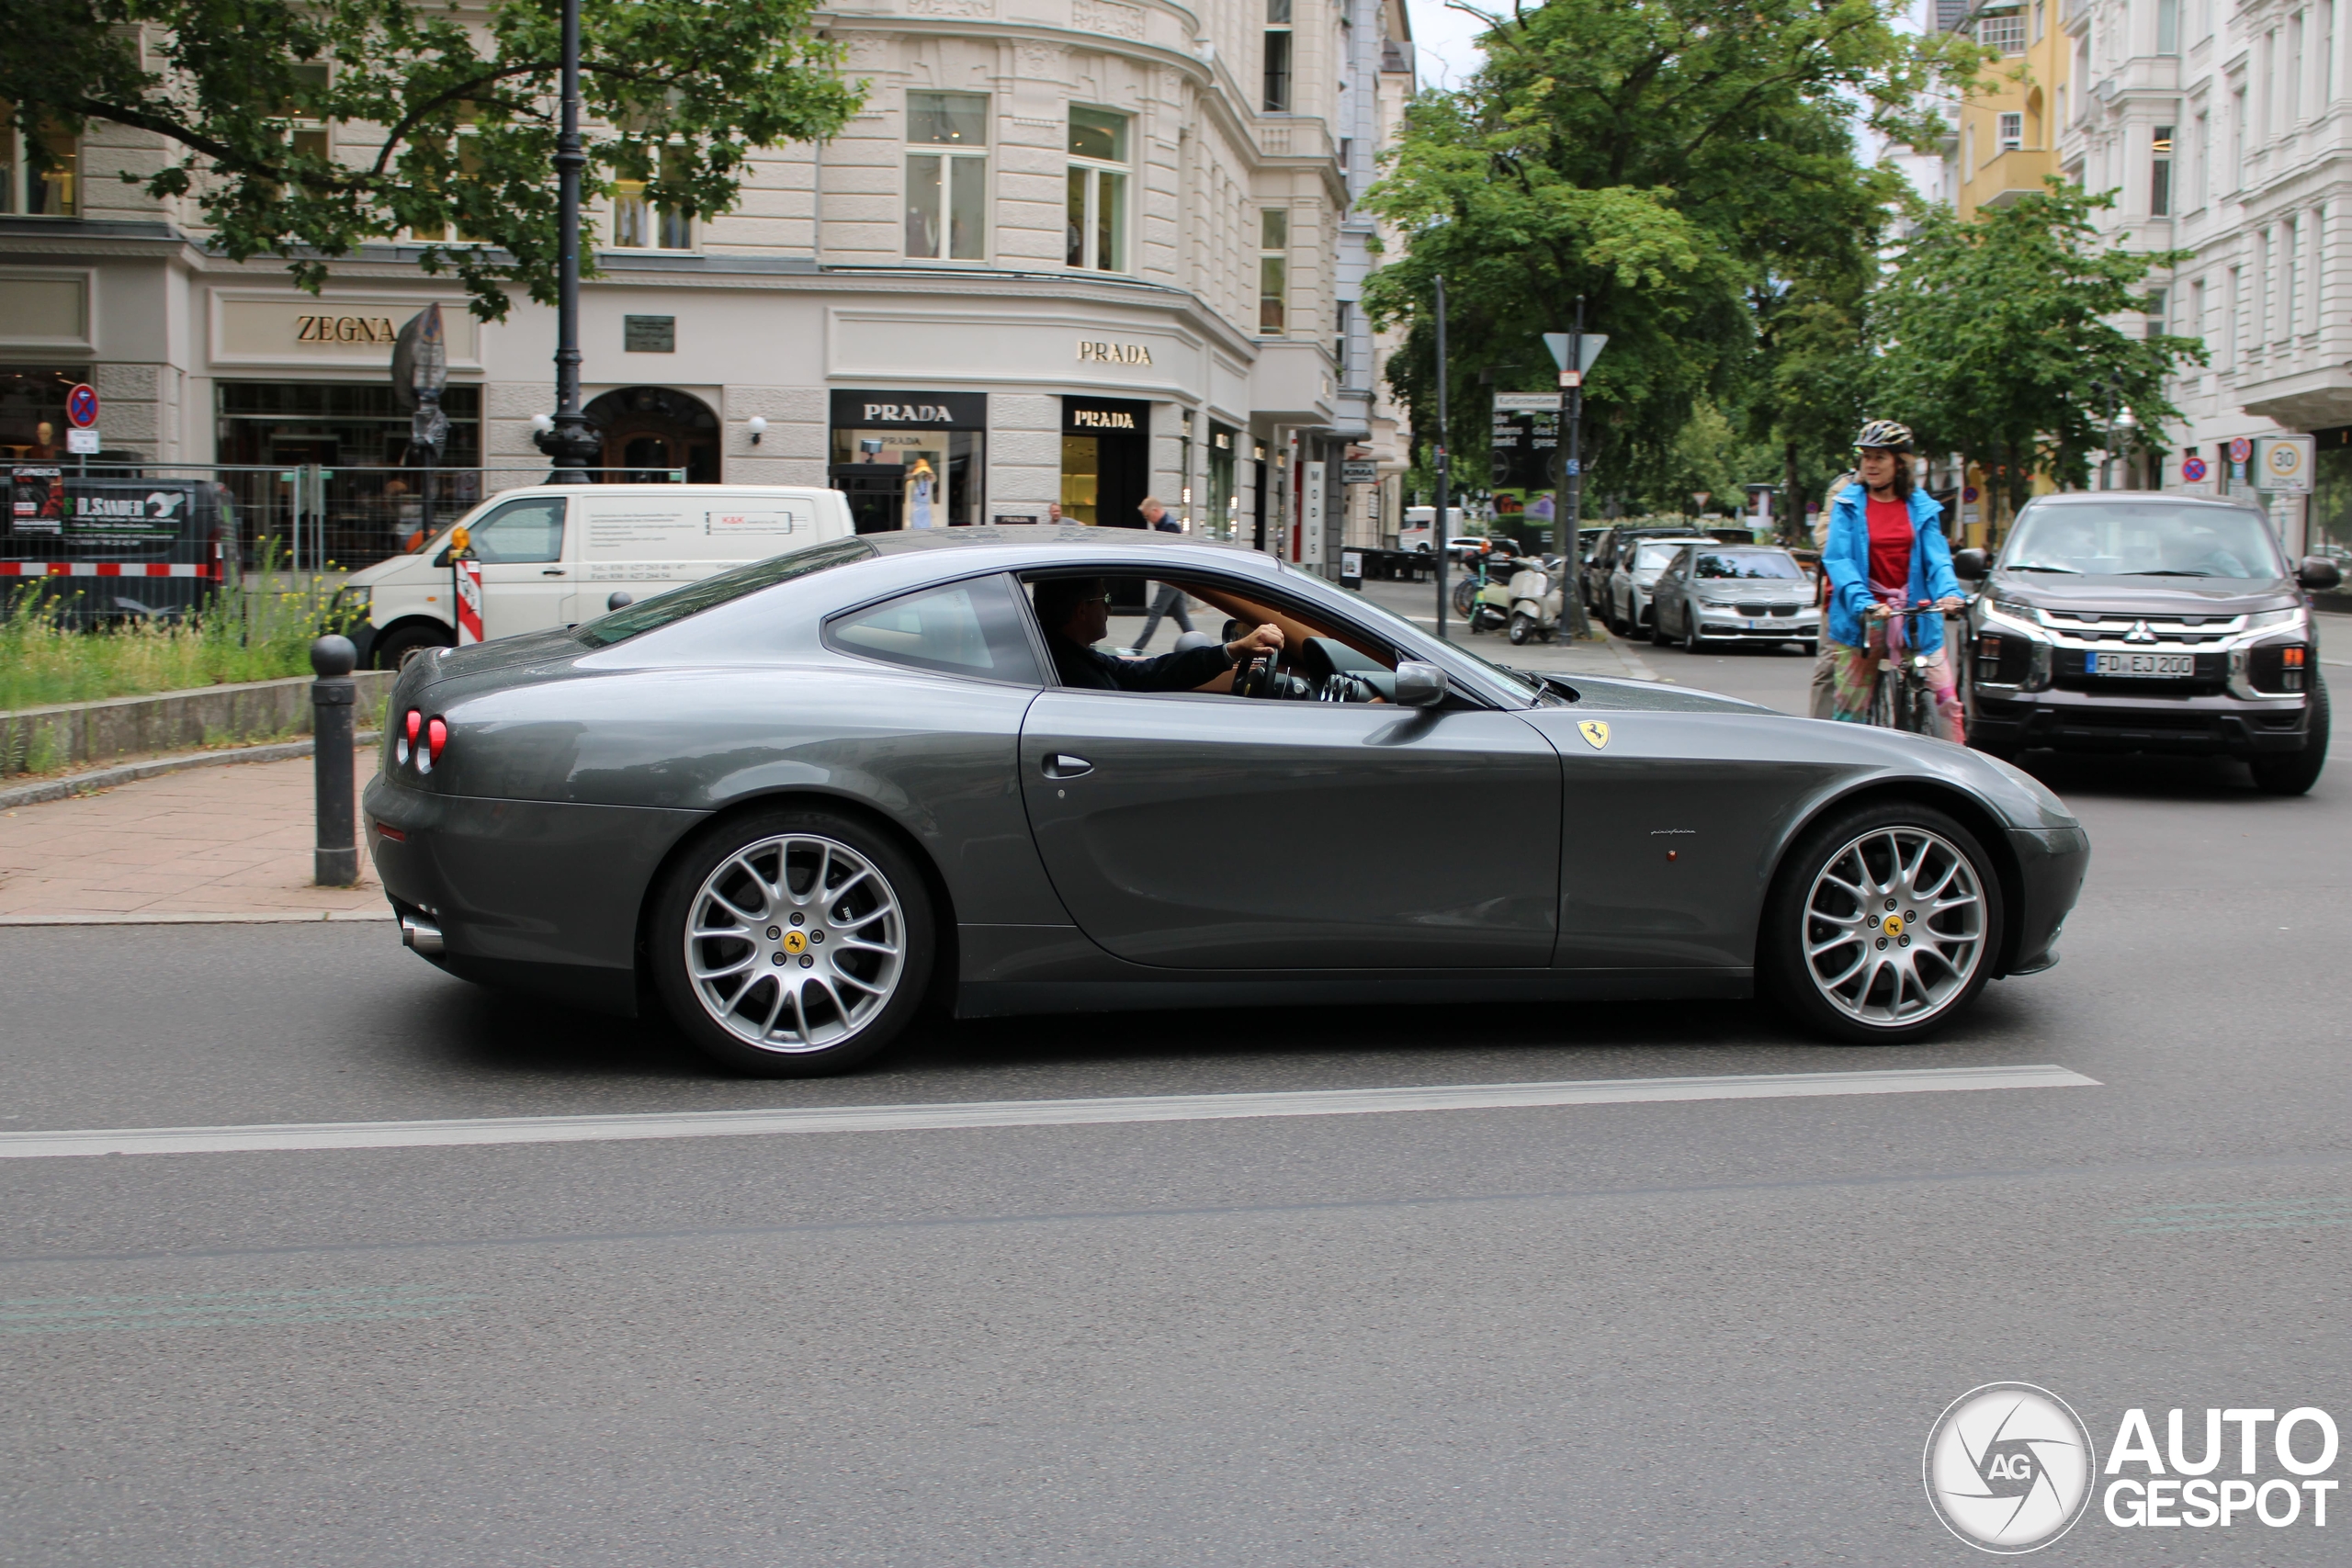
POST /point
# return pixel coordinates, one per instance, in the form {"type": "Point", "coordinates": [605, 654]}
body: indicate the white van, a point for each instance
{"type": "Point", "coordinates": [1420, 521]}
{"type": "Point", "coordinates": [553, 556]}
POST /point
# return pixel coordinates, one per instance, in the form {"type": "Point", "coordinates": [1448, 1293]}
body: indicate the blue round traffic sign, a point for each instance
{"type": "Point", "coordinates": [2192, 469]}
{"type": "Point", "coordinates": [82, 406]}
{"type": "Point", "coordinates": [2241, 450]}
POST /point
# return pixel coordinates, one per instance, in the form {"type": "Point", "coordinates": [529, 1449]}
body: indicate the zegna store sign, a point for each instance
{"type": "Point", "coordinates": [303, 331]}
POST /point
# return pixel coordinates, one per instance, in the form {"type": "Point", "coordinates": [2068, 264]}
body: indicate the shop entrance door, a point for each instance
{"type": "Point", "coordinates": [1106, 461]}
{"type": "Point", "coordinates": [876, 491]}
{"type": "Point", "coordinates": [650, 433]}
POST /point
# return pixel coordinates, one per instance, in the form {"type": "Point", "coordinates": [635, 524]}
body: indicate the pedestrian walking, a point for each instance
{"type": "Point", "coordinates": [1885, 554]}
{"type": "Point", "coordinates": [1169, 601]}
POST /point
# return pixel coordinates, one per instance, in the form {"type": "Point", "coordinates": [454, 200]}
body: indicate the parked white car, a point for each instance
{"type": "Point", "coordinates": [554, 555]}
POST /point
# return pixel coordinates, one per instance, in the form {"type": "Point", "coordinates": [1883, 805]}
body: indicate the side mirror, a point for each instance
{"type": "Point", "coordinates": [619, 601]}
{"type": "Point", "coordinates": [1968, 565]}
{"type": "Point", "coordinates": [2319, 574]}
{"type": "Point", "coordinates": [1418, 685]}
{"type": "Point", "coordinates": [443, 558]}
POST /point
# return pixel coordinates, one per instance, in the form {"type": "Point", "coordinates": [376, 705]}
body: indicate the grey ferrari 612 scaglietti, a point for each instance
{"type": "Point", "coordinates": [797, 801]}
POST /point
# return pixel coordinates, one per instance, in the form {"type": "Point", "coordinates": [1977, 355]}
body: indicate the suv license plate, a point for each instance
{"type": "Point", "coordinates": [2158, 665]}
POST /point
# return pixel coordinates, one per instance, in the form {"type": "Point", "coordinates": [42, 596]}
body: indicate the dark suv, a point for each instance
{"type": "Point", "coordinates": [2124, 621]}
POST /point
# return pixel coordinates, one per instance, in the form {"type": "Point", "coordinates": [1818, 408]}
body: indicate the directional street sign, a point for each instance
{"type": "Point", "coordinates": [1558, 343]}
{"type": "Point", "coordinates": [82, 406]}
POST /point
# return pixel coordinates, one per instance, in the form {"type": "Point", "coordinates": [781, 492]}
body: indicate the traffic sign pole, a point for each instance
{"type": "Point", "coordinates": [81, 416]}
{"type": "Point", "coordinates": [1567, 501]}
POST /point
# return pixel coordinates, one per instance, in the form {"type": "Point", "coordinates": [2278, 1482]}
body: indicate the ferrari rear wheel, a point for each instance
{"type": "Point", "coordinates": [792, 943]}
{"type": "Point", "coordinates": [1884, 924]}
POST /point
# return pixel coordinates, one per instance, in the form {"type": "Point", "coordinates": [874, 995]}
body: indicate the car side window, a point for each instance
{"type": "Point", "coordinates": [527, 530]}
{"type": "Point", "coordinates": [965, 628]}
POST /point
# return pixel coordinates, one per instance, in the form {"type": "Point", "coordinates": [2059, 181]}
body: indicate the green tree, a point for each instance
{"type": "Point", "coordinates": [458, 112]}
{"type": "Point", "coordinates": [1998, 339]}
{"type": "Point", "coordinates": [1662, 159]}
{"type": "Point", "coordinates": [1807, 392]}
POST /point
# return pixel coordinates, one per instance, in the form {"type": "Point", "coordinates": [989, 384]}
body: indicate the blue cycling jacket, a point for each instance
{"type": "Point", "coordinates": [1846, 557]}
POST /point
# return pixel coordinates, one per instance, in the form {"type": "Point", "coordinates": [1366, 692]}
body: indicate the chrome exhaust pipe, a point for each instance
{"type": "Point", "coordinates": [420, 936]}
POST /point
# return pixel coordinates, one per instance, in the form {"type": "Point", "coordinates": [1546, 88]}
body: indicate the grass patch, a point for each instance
{"type": "Point", "coordinates": [236, 636]}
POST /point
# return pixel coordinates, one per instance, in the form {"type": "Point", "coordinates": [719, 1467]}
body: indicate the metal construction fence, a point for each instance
{"type": "Point", "coordinates": [306, 519]}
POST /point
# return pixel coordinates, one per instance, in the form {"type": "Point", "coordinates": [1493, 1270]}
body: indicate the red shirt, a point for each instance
{"type": "Point", "coordinates": [1891, 539]}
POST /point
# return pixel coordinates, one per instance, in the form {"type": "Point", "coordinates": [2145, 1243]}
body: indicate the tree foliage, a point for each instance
{"type": "Point", "coordinates": [1998, 339]}
{"type": "Point", "coordinates": [457, 111]}
{"type": "Point", "coordinates": [1669, 161]}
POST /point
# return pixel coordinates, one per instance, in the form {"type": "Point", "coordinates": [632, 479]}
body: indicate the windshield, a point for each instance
{"type": "Point", "coordinates": [2143, 539]}
{"type": "Point", "coordinates": [1777, 566]}
{"type": "Point", "coordinates": [717, 588]}
{"type": "Point", "coordinates": [1528, 686]}
{"type": "Point", "coordinates": [1655, 558]}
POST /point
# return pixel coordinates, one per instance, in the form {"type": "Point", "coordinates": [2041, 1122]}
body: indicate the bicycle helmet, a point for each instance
{"type": "Point", "coordinates": [1885, 434]}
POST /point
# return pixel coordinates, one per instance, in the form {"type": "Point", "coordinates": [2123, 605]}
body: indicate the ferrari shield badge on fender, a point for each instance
{"type": "Point", "coordinates": [1595, 732]}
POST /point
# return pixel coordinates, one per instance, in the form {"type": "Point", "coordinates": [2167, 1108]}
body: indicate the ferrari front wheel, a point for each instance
{"type": "Point", "coordinates": [790, 944]}
{"type": "Point", "coordinates": [1884, 924]}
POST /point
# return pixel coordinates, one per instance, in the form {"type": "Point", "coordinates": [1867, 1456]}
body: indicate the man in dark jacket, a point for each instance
{"type": "Point", "coordinates": [1076, 613]}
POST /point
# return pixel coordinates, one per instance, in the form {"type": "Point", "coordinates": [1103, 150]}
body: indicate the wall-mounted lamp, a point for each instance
{"type": "Point", "coordinates": [757, 426]}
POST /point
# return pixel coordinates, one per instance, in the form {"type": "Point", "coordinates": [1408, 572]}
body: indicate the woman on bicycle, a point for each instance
{"type": "Point", "coordinates": [1885, 554]}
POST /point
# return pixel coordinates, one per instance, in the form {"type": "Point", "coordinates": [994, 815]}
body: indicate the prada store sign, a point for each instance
{"type": "Point", "coordinates": [303, 331]}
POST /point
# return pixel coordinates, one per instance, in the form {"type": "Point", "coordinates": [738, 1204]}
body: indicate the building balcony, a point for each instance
{"type": "Point", "coordinates": [2296, 389]}
{"type": "Point", "coordinates": [2009, 177]}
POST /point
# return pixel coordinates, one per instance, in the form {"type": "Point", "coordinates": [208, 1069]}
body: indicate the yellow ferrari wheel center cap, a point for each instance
{"type": "Point", "coordinates": [794, 942]}
{"type": "Point", "coordinates": [1893, 925]}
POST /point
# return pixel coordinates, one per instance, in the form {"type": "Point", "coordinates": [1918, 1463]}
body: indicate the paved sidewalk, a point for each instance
{"type": "Point", "coordinates": [227, 844]}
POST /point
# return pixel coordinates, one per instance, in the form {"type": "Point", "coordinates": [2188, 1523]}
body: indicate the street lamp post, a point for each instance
{"type": "Point", "coordinates": [571, 441]}
{"type": "Point", "coordinates": [1440, 528]}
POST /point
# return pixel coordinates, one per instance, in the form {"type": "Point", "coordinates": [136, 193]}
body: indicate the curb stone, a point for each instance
{"type": "Point", "coordinates": [276, 918]}
{"type": "Point", "coordinates": [157, 767]}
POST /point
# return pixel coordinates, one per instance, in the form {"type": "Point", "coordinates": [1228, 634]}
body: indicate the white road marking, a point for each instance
{"type": "Point", "coordinates": [1010, 1113]}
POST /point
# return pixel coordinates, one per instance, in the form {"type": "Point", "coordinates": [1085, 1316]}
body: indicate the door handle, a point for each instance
{"type": "Point", "coordinates": [1061, 765]}
{"type": "Point", "coordinates": [552, 571]}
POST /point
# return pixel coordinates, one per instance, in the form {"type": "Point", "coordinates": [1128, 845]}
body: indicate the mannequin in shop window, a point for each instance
{"type": "Point", "coordinates": [923, 490]}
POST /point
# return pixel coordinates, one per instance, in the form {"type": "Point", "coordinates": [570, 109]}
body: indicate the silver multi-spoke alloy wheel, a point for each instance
{"type": "Point", "coordinates": [795, 943]}
{"type": "Point", "coordinates": [1894, 927]}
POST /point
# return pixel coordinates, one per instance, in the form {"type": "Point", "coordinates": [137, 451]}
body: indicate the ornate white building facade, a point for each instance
{"type": "Point", "coordinates": [2227, 131]}
{"type": "Point", "coordinates": [1070, 252]}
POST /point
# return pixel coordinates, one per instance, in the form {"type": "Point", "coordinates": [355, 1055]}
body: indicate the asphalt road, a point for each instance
{"type": "Point", "coordinates": [1703, 1333]}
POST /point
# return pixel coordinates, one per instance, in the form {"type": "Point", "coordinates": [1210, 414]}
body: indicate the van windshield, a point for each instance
{"type": "Point", "coordinates": [718, 589]}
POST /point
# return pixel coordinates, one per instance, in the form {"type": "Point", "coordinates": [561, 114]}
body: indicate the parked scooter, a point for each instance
{"type": "Point", "coordinates": [1482, 599]}
{"type": "Point", "coordinates": [1534, 603]}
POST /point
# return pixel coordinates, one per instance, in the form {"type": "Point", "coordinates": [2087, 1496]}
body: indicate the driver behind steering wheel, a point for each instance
{"type": "Point", "coordinates": [1076, 611]}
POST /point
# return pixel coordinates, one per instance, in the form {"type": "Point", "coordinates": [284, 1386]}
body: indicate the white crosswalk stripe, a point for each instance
{"type": "Point", "coordinates": [967, 1115]}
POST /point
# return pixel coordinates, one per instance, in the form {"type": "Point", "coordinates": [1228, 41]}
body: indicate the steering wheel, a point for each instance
{"type": "Point", "coordinates": [1254, 676]}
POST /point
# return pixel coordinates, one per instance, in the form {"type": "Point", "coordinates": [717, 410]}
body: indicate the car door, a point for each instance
{"type": "Point", "coordinates": [1672, 594]}
{"type": "Point", "coordinates": [525, 581]}
{"type": "Point", "coordinates": [1196, 831]}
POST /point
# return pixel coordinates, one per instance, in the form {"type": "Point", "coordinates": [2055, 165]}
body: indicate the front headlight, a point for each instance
{"type": "Point", "coordinates": [2291, 617]}
{"type": "Point", "coordinates": [2008, 616]}
{"type": "Point", "coordinates": [355, 601]}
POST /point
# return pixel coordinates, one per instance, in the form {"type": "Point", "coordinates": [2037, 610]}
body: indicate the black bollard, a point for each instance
{"type": "Point", "coordinates": [620, 601]}
{"type": "Point", "coordinates": [334, 695]}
